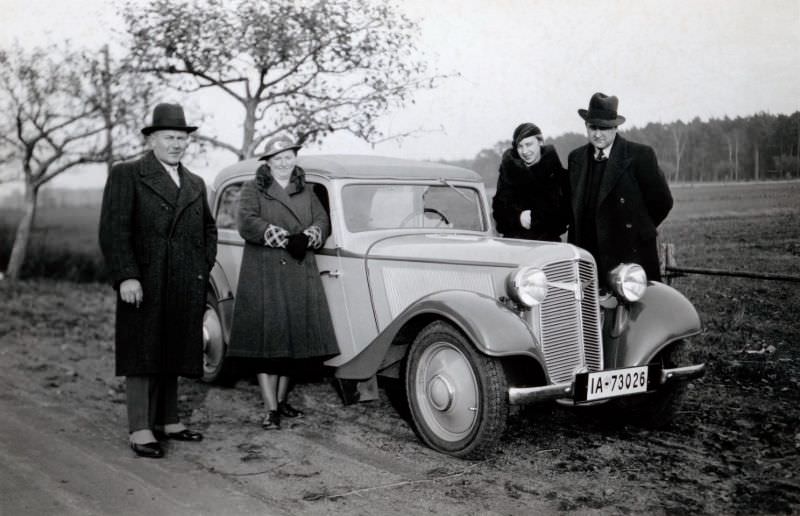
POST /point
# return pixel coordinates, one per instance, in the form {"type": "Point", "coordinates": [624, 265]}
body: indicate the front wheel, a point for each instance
{"type": "Point", "coordinates": [657, 409]}
{"type": "Point", "coordinates": [458, 397]}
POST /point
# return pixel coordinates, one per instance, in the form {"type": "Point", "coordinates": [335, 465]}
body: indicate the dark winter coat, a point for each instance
{"type": "Point", "coordinates": [280, 310]}
{"type": "Point", "coordinates": [166, 238]}
{"type": "Point", "coordinates": [633, 199]}
{"type": "Point", "coordinates": [539, 188]}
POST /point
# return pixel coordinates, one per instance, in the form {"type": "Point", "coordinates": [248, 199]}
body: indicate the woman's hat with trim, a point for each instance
{"type": "Point", "coordinates": [523, 131]}
{"type": "Point", "coordinates": [602, 111]}
{"type": "Point", "coordinates": [279, 144]}
{"type": "Point", "coordinates": [168, 117]}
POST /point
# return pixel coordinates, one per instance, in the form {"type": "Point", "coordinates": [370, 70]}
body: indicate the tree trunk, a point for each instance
{"type": "Point", "coordinates": [20, 247]}
{"type": "Point", "coordinates": [757, 163]}
{"type": "Point", "coordinates": [249, 127]}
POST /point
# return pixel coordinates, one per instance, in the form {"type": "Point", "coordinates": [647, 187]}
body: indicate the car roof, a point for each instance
{"type": "Point", "coordinates": [354, 166]}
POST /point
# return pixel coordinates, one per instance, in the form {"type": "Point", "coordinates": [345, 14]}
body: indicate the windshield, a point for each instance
{"type": "Point", "coordinates": [389, 206]}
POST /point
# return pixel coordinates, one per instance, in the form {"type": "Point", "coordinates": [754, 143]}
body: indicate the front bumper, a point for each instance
{"type": "Point", "coordinates": [566, 390]}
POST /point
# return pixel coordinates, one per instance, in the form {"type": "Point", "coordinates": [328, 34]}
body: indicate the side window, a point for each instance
{"type": "Point", "coordinates": [322, 194]}
{"type": "Point", "coordinates": [228, 210]}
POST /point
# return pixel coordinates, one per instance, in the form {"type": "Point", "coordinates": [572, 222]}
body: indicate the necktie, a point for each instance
{"type": "Point", "coordinates": [600, 155]}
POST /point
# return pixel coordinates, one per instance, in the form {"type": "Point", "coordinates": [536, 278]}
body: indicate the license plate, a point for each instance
{"type": "Point", "coordinates": [611, 383]}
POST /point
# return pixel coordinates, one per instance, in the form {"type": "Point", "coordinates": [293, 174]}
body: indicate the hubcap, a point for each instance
{"type": "Point", "coordinates": [212, 341]}
{"type": "Point", "coordinates": [446, 391]}
{"type": "Point", "coordinates": [440, 393]}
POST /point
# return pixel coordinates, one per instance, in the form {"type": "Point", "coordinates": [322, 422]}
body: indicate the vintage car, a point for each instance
{"type": "Point", "coordinates": [421, 289]}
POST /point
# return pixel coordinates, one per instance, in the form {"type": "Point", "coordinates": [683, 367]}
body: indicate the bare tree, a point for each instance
{"type": "Point", "coordinates": [679, 131]}
{"type": "Point", "coordinates": [310, 68]}
{"type": "Point", "coordinates": [59, 109]}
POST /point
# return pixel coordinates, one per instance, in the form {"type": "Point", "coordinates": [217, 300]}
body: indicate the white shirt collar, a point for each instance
{"type": "Point", "coordinates": [172, 171]}
{"type": "Point", "coordinates": [607, 150]}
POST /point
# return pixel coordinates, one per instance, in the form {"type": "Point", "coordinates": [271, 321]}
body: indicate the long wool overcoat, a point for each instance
{"type": "Point", "coordinates": [166, 238]}
{"type": "Point", "coordinates": [633, 199]}
{"type": "Point", "coordinates": [539, 188]}
{"type": "Point", "coordinates": [280, 310]}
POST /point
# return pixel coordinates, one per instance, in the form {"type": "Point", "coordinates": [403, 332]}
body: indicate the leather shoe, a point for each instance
{"type": "Point", "coordinates": [287, 410]}
{"type": "Point", "coordinates": [272, 421]}
{"type": "Point", "coordinates": [149, 450]}
{"type": "Point", "coordinates": [183, 435]}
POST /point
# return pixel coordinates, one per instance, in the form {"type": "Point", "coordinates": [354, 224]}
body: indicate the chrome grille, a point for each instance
{"type": "Point", "coordinates": [569, 320]}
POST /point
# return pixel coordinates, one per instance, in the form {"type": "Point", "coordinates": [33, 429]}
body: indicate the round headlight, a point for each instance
{"type": "Point", "coordinates": [527, 285]}
{"type": "Point", "coordinates": [629, 281]}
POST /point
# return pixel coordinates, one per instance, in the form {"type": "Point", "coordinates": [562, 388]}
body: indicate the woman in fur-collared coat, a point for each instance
{"type": "Point", "coordinates": [281, 318]}
{"type": "Point", "coordinates": [530, 201]}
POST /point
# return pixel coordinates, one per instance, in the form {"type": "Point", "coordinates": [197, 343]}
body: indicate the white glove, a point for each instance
{"type": "Point", "coordinates": [525, 219]}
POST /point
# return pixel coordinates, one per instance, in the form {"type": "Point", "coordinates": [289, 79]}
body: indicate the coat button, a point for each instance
{"type": "Point", "coordinates": [199, 276]}
{"type": "Point", "coordinates": [622, 200]}
{"type": "Point", "coordinates": [628, 226]}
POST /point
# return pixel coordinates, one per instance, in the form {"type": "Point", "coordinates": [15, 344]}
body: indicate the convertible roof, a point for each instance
{"type": "Point", "coordinates": [353, 166]}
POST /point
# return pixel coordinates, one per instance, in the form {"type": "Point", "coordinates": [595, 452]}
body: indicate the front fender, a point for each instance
{"type": "Point", "coordinates": [662, 316]}
{"type": "Point", "coordinates": [488, 324]}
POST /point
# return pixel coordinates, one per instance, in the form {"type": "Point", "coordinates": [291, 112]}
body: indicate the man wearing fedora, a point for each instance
{"type": "Point", "coordinates": [159, 241]}
{"type": "Point", "coordinates": [619, 195]}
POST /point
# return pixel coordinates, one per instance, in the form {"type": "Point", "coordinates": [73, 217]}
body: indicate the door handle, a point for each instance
{"type": "Point", "coordinates": [332, 274]}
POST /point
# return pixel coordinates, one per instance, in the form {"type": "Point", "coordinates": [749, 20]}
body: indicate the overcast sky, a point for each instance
{"type": "Point", "coordinates": [538, 61]}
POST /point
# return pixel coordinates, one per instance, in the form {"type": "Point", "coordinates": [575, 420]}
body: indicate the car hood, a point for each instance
{"type": "Point", "coordinates": [465, 249]}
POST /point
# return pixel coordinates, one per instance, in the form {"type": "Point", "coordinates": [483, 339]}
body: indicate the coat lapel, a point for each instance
{"type": "Point", "coordinates": [577, 178]}
{"type": "Point", "coordinates": [189, 192]}
{"type": "Point", "coordinates": [283, 196]}
{"type": "Point", "coordinates": [617, 163]}
{"type": "Point", "coordinates": [156, 178]}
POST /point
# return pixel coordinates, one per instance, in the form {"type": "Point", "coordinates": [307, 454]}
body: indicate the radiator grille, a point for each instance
{"type": "Point", "coordinates": [569, 320]}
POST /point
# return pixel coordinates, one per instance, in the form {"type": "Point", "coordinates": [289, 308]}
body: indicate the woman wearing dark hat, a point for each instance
{"type": "Point", "coordinates": [281, 320]}
{"type": "Point", "coordinates": [530, 200]}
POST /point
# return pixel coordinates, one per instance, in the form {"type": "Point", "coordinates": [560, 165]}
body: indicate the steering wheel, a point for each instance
{"type": "Point", "coordinates": [438, 213]}
{"type": "Point", "coordinates": [410, 216]}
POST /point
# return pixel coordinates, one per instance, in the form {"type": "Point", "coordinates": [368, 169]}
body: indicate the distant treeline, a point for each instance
{"type": "Point", "coordinates": [758, 147]}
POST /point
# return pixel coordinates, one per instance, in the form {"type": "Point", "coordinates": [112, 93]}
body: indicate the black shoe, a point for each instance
{"type": "Point", "coordinates": [289, 411]}
{"type": "Point", "coordinates": [149, 450]}
{"type": "Point", "coordinates": [272, 421]}
{"type": "Point", "coordinates": [183, 435]}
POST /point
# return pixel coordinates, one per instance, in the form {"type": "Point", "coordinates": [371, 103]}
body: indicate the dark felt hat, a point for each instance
{"type": "Point", "coordinates": [602, 111]}
{"type": "Point", "coordinates": [524, 131]}
{"type": "Point", "coordinates": [168, 116]}
{"type": "Point", "coordinates": [279, 144]}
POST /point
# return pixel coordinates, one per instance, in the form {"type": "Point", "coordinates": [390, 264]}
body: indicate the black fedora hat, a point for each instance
{"type": "Point", "coordinates": [279, 144]}
{"type": "Point", "coordinates": [168, 116]}
{"type": "Point", "coordinates": [602, 111]}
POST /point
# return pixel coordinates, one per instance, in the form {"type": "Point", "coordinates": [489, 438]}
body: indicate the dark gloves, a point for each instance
{"type": "Point", "coordinates": [297, 245]}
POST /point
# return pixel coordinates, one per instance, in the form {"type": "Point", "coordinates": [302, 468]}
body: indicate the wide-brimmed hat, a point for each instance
{"type": "Point", "coordinates": [279, 144]}
{"type": "Point", "coordinates": [602, 111]}
{"type": "Point", "coordinates": [168, 116]}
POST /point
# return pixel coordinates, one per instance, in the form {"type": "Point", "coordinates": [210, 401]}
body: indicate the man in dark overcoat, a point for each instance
{"type": "Point", "coordinates": [159, 241]}
{"type": "Point", "coordinates": [619, 195]}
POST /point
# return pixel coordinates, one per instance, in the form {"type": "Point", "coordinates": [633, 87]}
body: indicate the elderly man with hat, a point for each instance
{"type": "Point", "coordinates": [159, 241]}
{"type": "Point", "coordinates": [619, 194]}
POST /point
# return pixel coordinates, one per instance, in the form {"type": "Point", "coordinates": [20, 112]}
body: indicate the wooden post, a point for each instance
{"type": "Point", "coordinates": [666, 258]}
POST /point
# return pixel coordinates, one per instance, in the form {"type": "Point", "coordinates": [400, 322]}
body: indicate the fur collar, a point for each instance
{"type": "Point", "coordinates": [264, 179]}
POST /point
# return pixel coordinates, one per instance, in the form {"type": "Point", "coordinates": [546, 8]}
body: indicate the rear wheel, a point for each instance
{"type": "Point", "coordinates": [458, 397]}
{"type": "Point", "coordinates": [214, 346]}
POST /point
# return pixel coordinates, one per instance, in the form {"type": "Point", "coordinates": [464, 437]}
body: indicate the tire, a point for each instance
{"type": "Point", "coordinates": [457, 397]}
{"type": "Point", "coordinates": [214, 345]}
{"type": "Point", "coordinates": [657, 409]}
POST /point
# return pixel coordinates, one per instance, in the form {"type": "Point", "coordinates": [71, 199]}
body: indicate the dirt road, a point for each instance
{"type": "Point", "coordinates": [63, 444]}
